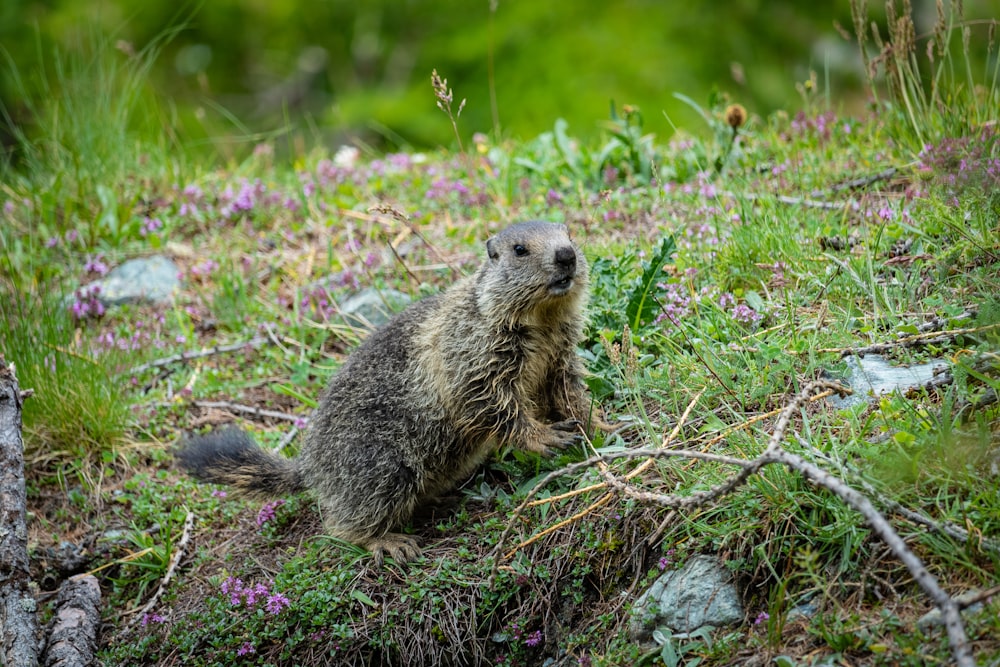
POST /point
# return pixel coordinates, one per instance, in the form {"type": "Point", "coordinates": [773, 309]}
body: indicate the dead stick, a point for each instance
{"type": "Point", "coordinates": [188, 356]}
{"type": "Point", "coordinates": [927, 338]}
{"type": "Point", "coordinates": [175, 559]}
{"type": "Point", "coordinates": [18, 624]}
{"type": "Point", "coordinates": [948, 606]}
{"type": "Point", "coordinates": [73, 629]}
{"type": "Point", "coordinates": [857, 183]}
{"type": "Point", "coordinates": [774, 453]}
{"type": "Point", "coordinates": [247, 409]}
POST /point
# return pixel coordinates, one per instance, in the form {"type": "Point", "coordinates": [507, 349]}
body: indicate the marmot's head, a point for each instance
{"type": "Point", "coordinates": [533, 274]}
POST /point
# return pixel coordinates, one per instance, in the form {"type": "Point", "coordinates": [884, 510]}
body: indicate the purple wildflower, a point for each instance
{"type": "Point", "coordinates": [276, 602]}
{"type": "Point", "coordinates": [252, 593]}
{"type": "Point", "coordinates": [96, 265]}
{"type": "Point", "coordinates": [266, 512]}
{"type": "Point", "coordinates": [246, 649]}
{"type": "Point", "coordinates": [87, 303]}
{"type": "Point", "coordinates": [205, 268]}
{"type": "Point", "coordinates": [534, 639]}
{"type": "Point", "coordinates": [761, 617]}
{"type": "Point", "coordinates": [234, 589]}
{"type": "Point", "coordinates": [745, 314]}
{"type": "Point", "coordinates": [150, 225]}
{"type": "Point", "coordinates": [151, 618]}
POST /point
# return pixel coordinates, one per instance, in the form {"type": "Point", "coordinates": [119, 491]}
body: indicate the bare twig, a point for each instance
{"type": "Point", "coordinates": [795, 201]}
{"type": "Point", "coordinates": [949, 607]}
{"type": "Point", "coordinates": [927, 338]}
{"type": "Point", "coordinates": [633, 473]}
{"type": "Point", "coordinates": [287, 439]}
{"type": "Point", "coordinates": [945, 528]}
{"type": "Point", "coordinates": [858, 183]}
{"type": "Point", "coordinates": [175, 559]}
{"type": "Point", "coordinates": [188, 356]}
{"type": "Point", "coordinates": [248, 409]}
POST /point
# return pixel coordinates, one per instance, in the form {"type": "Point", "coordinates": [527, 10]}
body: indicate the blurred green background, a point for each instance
{"type": "Point", "coordinates": [337, 71]}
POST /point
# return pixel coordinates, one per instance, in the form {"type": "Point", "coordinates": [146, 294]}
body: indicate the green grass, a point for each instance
{"type": "Point", "coordinates": [715, 286]}
{"type": "Point", "coordinates": [78, 414]}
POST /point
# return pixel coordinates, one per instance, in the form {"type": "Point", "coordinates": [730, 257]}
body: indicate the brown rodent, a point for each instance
{"type": "Point", "coordinates": [412, 412]}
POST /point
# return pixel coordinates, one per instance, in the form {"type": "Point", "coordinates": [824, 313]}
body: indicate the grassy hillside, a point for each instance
{"type": "Point", "coordinates": [730, 267]}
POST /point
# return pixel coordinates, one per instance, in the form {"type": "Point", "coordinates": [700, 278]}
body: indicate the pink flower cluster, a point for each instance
{"type": "Point", "coordinates": [248, 595]}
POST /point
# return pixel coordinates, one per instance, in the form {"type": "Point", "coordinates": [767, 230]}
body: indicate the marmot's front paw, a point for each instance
{"type": "Point", "coordinates": [559, 435]}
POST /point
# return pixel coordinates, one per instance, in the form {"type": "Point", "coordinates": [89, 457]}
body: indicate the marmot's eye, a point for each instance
{"type": "Point", "coordinates": [520, 250]}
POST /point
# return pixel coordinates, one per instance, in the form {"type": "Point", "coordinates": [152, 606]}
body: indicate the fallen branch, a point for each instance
{"type": "Point", "coordinates": [73, 628]}
{"type": "Point", "coordinates": [927, 338]}
{"type": "Point", "coordinates": [949, 607]}
{"type": "Point", "coordinates": [858, 183]}
{"type": "Point", "coordinates": [287, 439]}
{"type": "Point", "coordinates": [248, 409]}
{"type": "Point", "coordinates": [796, 201]}
{"type": "Point", "coordinates": [188, 356]}
{"type": "Point", "coordinates": [742, 426]}
{"type": "Point", "coordinates": [175, 559]}
{"type": "Point", "coordinates": [945, 528]}
{"type": "Point", "coordinates": [18, 625]}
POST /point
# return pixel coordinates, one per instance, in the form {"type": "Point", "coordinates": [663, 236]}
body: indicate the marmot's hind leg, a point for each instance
{"type": "Point", "coordinates": [370, 523]}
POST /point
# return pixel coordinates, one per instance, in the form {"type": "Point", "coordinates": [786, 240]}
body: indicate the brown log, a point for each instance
{"type": "Point", "coordinates": [73, 629]}
{"type": "Point", "coordinates": [18, 626]}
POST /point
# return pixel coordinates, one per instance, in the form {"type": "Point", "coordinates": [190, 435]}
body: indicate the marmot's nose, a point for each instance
{"type": "Point", "coordinates": [566, 258]}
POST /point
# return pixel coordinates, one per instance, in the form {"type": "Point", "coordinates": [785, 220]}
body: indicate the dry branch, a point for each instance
{"type": "Point", "coordinates": [73, 629]}
{"type": "Point", "coordinates": [18, 625]}
{"type": "Point", "coordinates": [949, 607]}
{"type": "Point", "coordinates": [188, 356]}
{"type": "Point", "coordinates": [796, 201]}
{"type": "Point", "coordinates": [926, 338]}
{"type": "Point", "coordinates": [248, 409]}
{"type": "Point", "coordinates": [858, 183]}
{"type": "Point", "coordinates": [175, 560]}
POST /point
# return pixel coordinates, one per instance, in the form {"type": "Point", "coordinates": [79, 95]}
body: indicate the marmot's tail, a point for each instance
{"type": "Point", "coordinates": [230, 456]}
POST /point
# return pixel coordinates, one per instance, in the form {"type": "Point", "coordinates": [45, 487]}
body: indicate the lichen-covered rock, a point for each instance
{"type": "Point", "coordinates": [146, 279]}
{"type": "Point", "coordinates": [700, 593]}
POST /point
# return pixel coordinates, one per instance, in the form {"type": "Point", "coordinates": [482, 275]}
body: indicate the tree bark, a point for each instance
{"type": "Point", "coordinates": [73, 629]}
{"type": "Point", "coordinates": [18, 625]}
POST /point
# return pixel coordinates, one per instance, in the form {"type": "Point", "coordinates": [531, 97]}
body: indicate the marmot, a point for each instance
{"type": "Point", "coordinates": [413, 411]}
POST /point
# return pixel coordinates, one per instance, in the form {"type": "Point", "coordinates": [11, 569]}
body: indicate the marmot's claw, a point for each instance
{"type": "Point", "coordinates": [401, 548]}
{"type": "Point", "coordinates": [568, 425]}
{"type": "Point", "coordinates": [562, 436]}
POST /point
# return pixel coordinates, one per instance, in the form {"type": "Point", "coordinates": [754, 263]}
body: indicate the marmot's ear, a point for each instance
{"type": "Point", "coordinates": [491, 248]}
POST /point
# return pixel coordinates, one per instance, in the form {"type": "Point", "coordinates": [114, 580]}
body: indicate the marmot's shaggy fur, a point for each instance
{"type": "Point", "coordinates": [421, 403]}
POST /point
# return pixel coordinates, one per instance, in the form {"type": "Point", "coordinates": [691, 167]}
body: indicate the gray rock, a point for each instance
{"type": "Point", "coordinates": [802, 611]}
{"type": "Point", "coordinates": [934, 616]}
{"type": "Point", "coordinates": [372, 307]}
{"type": "Point", "coordinates": [150, 279]}
{"type": "Point", "coordinates": [871, 376]}
{"type": "Point", "coordinates": [699, 594]}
